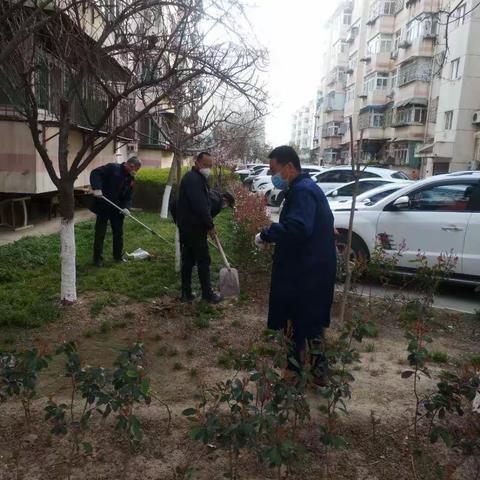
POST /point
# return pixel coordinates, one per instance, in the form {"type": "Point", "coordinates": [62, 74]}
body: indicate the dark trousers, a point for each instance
{"type": "Point", "coordinates": [116, 222]}
{"type": "Point", "coordinates": [297, 351]}
{"type": "Point", "coordinates": [194, 248]}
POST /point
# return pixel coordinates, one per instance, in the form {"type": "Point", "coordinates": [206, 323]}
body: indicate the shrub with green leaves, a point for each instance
{"type": "Point", "coordinates": [259, 413]}
{"type": "Point", "coordinates": [19, 375]}
{"type": "Point", "coordinates": [131, 387]}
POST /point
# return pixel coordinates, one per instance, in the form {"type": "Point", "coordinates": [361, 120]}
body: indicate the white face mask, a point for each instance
{"type": "Point", "coordinates": [205, 172]}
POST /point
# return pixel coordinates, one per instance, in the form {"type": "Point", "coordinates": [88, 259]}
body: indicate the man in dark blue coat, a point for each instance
{"type": "Point", "coordinates": [115, 182]}
{"type": "Point", "coordinates": [304, 262]}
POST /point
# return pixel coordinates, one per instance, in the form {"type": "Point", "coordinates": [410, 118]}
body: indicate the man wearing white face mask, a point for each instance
{"type": "Point", "coordinates": [195, 223]}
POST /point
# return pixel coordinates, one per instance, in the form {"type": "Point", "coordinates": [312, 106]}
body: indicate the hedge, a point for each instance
{"type": "Point", "coordinates": [150, 185]}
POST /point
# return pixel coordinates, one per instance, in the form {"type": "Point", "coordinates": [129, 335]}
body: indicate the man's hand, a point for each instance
{"type": "Point", "coordinates": [213, 233]}
{"type": "Point", "coordinates": [126, 212]}
{"type": "Point", "coordinates": [97, 193]}
{"type": "Point", "coordinates": [259, 243]}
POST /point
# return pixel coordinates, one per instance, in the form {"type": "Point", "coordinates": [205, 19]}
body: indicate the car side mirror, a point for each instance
{"type": "Point", "coordinates": [334, 193]}
{"type": "Point", "coordinates": [401, 203]}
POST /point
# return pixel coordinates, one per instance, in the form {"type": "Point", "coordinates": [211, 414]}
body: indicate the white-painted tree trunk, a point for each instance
{"type": "Point", "coordinates": [68, 255]}
{"type": "Point", "coordinates": [177, 251]}
{"type": "Point", "coordinates": [165, 201]}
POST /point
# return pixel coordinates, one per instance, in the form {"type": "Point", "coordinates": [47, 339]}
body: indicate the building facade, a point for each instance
{"type": "Point", "coordinates": [303, 124]}
{"type": "Point", "coordinates": [406, 73]}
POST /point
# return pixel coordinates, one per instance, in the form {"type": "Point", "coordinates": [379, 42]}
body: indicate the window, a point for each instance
{"type": "Point", "coordinates": [412, 115]}
{"type": "Point", "coordinates": [350, 93]}
{"type": "Point", "coordinates": [448, 120]}
{"type": "Point", "coordinates": [389, 7]}
{"type": "Point", "coordinates": [400, 155]}
{"type": "Point", "coordinates": [373, 199]}
{"type": "Point", "coordinates": [423, 25]}
{"type": "Point", "coordinates": [347, 18]}
{"type": "Point", "coordinates": [377, 120]}
{"type": "Point", "coordinates": [335, 176]}
{"type": "Point", "coordinates": [375, 81]}
{"type": "Point", "coordinates": [381, 43]}
{"type": "Point", "coordinates": [444, 198]}
{"type": "Point", "coordinates": [397, 38]}
{"type": "Point", "coordinates": [368, 174]}
{"type": "Point", "coordinates": [413, 30]}
{"type": "Point", "coordinates": [352, 62]}
{"type": "Point", "coordinates": [458, 17]}
{"type": "Point", "coordinates": [393, 79]}
{"type": "Point", "coordinates": [400, 176]}
{"type": "Point", "coordinates": [455, 69]}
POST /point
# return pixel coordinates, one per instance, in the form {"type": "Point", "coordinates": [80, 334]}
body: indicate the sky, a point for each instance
{"type": "Point", "coordinates": [294, 34]}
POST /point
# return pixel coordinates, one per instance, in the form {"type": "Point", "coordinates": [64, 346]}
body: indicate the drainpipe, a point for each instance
{"type": "Point", "coordinates": [430, 89]}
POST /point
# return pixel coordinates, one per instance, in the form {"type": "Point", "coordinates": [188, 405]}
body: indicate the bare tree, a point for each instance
{"type": "Point", "coordinates": [200, 114]}
{"type": "Point", "coordinates": [79, 67]}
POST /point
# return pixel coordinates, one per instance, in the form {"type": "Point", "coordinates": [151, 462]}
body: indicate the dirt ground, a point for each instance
{"type": "Point", "coordinates": [183, 360]}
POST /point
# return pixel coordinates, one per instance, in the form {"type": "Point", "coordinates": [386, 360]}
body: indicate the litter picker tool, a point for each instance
{"type": "Point", "coordinates": [151, 230]}
{"type": "Point", "coordinates": [229, 284]}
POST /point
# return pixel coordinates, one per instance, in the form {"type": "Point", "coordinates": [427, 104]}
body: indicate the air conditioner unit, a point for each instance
{"type": "Point", "coordinates": [476, 118]}
{"type": "Point", "coordinates": [405, 44]}
{"type": "Point", "coordinates": [131, 147]}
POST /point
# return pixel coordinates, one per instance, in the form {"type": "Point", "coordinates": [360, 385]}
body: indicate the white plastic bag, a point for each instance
{"type": "Point", "coordinates": [139, 254]}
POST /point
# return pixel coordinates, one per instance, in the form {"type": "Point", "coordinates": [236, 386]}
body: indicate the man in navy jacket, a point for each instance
{"type": "Point", "coordinates": [304, 262]}
{"type": "Point", "coordinates": [115, 182]}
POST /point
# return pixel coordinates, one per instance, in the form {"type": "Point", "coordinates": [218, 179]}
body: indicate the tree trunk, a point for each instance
{"type": "Point", "coordinates": [174, 176]}
{"type": "Point", "coordinates": [68, 292]}
{"type": "Point", "coordinates": [178, 159]}
{"type": "Point", "coordinates": [177, 251]}
{"type": "Point", "coordinates": [168, 188]}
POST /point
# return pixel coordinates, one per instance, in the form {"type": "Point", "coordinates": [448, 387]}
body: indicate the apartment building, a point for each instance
{"type": "Point", "coordinates": [22, 170]}
{"type": "Point", "coordinates": [411, 99]}
{"type": "Point", "coordinates": [303, 124]}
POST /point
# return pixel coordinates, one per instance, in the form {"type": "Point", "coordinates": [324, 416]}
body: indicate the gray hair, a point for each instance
{"type": "Point", "coordinates": [135, 161]}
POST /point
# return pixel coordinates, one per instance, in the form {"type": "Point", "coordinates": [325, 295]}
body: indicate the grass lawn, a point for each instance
{"type": "Point", "coordinates": [30, 270]}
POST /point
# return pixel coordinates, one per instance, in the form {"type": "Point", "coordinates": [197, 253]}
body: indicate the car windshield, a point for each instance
{"type": "Point", "coordinates": [400, 176]}
{"type": "Point", "coordinates": [376, 197]}
{"type": "Point", "coordinates": [347, 190]}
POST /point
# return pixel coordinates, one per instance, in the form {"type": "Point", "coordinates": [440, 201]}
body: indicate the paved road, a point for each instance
{"type": "Point", "coordinates": [459, 298]}
{"type": "Point", "coordinates": [43, 228]}
{"type": "Point", "coordinates": [453, 297]}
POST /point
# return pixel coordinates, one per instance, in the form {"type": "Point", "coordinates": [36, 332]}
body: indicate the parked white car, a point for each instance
{"type": "Point", "coordinates": [275, 196]}
{"type": "Point", "coordinates": [257, 173]}
{"type": "Point", "coordinates": [337, 176]}
{"type": "Point", "coordinates": [345, 192]}
{"type": "Point", "coordinates": [371, 191]}
{"type": "Point", "coordinates": [435, 216]}
{"type": "Point", "coordinates": [251, 168]}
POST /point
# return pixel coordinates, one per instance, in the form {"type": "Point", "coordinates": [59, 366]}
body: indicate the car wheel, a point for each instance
{"type": "Point", "coordinates": [359, 252]}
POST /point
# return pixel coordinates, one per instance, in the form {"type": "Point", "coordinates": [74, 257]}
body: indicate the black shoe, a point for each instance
{"type": "Point", "coordinates": [214, 298]}
{"type": "Point", "coordinates": [187, 297]}
{"type": "Point", "coordinates": [98, 263]}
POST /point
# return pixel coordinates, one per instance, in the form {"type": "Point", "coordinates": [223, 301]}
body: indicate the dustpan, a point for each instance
{"type": "Point", "coordinates": [229, 284]}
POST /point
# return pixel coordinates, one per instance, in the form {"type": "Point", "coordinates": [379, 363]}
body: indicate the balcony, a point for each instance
{"type": "Point", "coordinates": [87, 106]}
{"type": "Point", "coordinates": [380, 62]}
{"type": "Point", "coordinates": [333, 129]}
